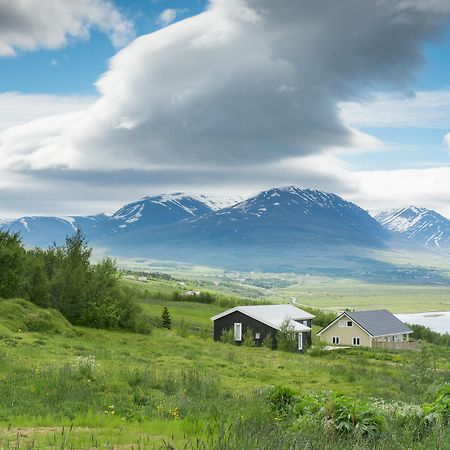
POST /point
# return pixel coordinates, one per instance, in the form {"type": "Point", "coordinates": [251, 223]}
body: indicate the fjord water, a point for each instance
{"type": "Point", "coordinates": [438, 321]}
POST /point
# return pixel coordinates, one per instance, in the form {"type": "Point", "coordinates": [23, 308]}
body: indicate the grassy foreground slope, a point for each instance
{"type": "Point", "coordinates": [73, 387]}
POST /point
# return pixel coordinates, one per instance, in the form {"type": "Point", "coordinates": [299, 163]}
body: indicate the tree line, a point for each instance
{"type": "Point", "coordinates": [63, 278]}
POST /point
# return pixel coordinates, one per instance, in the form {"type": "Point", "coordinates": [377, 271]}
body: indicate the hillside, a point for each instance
{"type": "Point", "coordinates": [281, 229]}
{"type": "Point", "coordinates": [179, 388]}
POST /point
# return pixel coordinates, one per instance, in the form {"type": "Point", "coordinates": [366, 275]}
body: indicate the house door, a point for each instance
{"type": "Point", "coordinates": [300, 341]}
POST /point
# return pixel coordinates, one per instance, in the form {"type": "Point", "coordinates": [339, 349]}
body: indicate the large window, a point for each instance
{"type": "Point", "coordinates": [238, 331]}
{"type": "Point", "coordinates": [356, 341]}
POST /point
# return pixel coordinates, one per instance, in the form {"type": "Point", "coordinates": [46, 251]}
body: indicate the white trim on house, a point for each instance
{"type": "Point", "coordinates": [300, 341]}
{"type": "Point", "coordinates": [349, 319]}
{"type": "Point", "coordinates": [238, 331]}
{"type": "Point", "coordinates": [393, 334]}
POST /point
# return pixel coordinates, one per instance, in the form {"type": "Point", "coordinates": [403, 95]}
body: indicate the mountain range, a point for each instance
{"type": "Point", "coordinates": [278, 229]}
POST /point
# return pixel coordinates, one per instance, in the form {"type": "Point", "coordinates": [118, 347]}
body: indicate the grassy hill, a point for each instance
{"type": "Point", "coordinates": [72, 387]}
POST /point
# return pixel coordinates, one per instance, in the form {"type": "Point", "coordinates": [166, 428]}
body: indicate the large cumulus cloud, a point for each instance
{"type": "Point", "coordinates": [246, 93]}
{"type": "Point", "coordinates": [245, 81]}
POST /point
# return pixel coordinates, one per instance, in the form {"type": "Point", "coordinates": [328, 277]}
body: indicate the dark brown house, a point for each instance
{"type": "Point", "coordinates": [264, 320]}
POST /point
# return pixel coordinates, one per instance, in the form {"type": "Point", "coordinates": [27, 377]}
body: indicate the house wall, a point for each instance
{"type": "Point", "coordinates": [346, 334]}
{"type": "Point", "coordinates": [227, 323]}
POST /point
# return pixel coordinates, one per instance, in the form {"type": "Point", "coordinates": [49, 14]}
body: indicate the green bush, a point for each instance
{"type": "Point", "coordinates": [286, 337]}
{"type": "Point", "coordinates": [267, 342]}
{"type": "Point", "coordinates": [227, 336]}
{"type": "Point", "coordinates": [249, 338]}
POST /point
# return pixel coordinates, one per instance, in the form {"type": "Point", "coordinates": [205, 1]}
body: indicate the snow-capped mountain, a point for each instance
{"type": "Point", "coordinates": [419, 225]}
{"type": "Point", "coordinates": [43, 231]}
{"type": "Point", "coordinates": [278, 221]}
{"type": "Point", "coordinates": [156, 211]}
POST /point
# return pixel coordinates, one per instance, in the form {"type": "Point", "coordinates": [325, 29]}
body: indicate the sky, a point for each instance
{"type": "Point", "coordinates": [103, 102]}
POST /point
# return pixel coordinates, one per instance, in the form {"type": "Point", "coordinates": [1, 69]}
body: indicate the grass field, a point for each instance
{"type": "Point", "coordinates": [69, 387]}
{"type": "Point", "coordinates": [340, 294]}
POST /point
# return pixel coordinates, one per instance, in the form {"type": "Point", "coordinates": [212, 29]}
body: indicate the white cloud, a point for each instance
{"type": "Point", "coordinates": [423, 109]}
{"type": "Point", "coordinates": [246, 94]}
{"type": "Point", "coordinates": [169, 16]}
{"type": "Point", "coordinates": [17, 108]}
{"type": "Point", "coordinates": [50, 24]}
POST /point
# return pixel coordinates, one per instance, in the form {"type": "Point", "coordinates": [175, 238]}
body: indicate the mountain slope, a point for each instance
{"type": "Point", "coordinates": [43, 231]}
{"type": "Point", "coordinates": [155, 211]}
{"type": "Point", "coordinates": [421, 226]}
{"type": "Point", "coordinates": [283, 223]}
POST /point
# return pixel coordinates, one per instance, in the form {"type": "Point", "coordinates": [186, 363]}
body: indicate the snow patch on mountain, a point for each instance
{"type": "Point", "coordinates": [420, 225]}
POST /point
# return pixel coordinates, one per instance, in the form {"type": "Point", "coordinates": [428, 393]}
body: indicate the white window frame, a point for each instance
{"type": "Point", "coordinates": [356, 341]}
{"type": "Point", "coordinates": [335, 340]}
{"type": "Point", "coordinates": [257, 335]}
{"type": "Point", "coordinates": [342, 323]}
{"type": "Point", "coordinates": [349, 323]}
{"type": "Point", "coordinates": [238, 331]}
{"type": "Point", "coordinates": [300, 341]}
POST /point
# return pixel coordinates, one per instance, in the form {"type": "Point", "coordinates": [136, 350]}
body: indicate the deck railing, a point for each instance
{"type": "Point", "coordinates": [404, 345]}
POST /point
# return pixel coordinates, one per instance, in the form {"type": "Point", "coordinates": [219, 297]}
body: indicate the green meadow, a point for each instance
{"type": "Point", "coordinates": [74, 387]}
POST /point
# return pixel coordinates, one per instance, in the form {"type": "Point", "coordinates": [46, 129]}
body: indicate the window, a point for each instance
{"type": "Point", "coordinates": [356, 341]}
{"type": "Point", "coordinates": [349, 323]}
{"type": "Point", "coordinates": [257, 335]}
{"type": "Point", "coordinates": [342, 323]}
{"type": "Point", "coordinates": [335, 340]}
{"type": "Point", "coordinates": [300, 341]}
{"type": "Point", "coordinates": [238, 331]}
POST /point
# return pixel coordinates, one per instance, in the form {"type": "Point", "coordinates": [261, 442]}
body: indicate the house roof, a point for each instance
{"type": "Point", "coordinates": [273, 315]}
{"type": "Point", "coordinates": [376, 323]}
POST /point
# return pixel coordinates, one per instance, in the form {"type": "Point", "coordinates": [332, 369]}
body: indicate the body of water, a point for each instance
{"type": "Point", "coordinates": [438, 321]}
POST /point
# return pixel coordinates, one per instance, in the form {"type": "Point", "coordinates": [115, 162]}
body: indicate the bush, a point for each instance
{"type": "Point", "coordinates": [348, 416]}
{"type": "Point", "coordinates": [249, 338]}
{"type": "Point", "coordinates": [286, 337]}
{"type": "Point", "coordinates": [280, 398]}
{"type": "Point", "coordinates": [267, 342]}
{"type": "Point", "coordinates": [227, 336]}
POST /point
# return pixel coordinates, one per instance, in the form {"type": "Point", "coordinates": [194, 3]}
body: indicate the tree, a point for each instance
{"type": "Point", "coordinates": [286, 337]}
{"type": "Point", "coordinates": [166, 320]}
{"type": "Point", "coordinates": [73, 278]}
{"type": "Point", "coordinates": [12, 264]}
{"type": "Point", "coordinates": [37, 285]}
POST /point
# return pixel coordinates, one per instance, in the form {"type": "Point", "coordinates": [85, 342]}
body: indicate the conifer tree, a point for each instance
{"type": "Point", "coordinates": [166, 320]}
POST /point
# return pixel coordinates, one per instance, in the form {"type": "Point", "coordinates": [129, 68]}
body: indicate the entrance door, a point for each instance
{"type": "Point", "coordinates": [300, 341]}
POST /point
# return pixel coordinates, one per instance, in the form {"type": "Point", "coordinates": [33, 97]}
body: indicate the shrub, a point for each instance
{"type": "Point", "coordinates": [280, 398]}
{"type": "Point", "coordinates": [267, 342]}
{"type": "Point", "coordinates": [227, 336]}
{"type": "Point", "coordinates": [286, 337]}
{"type": "Point", "coordinates": [348, 416]}
{"type": "Point", "coordinates": [249, 338]}
{"type": "Point", "coordinates": [440, 407]}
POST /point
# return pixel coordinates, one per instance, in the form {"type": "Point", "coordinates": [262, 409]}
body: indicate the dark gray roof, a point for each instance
{"type": "Point", "coordinates": [379, 322]}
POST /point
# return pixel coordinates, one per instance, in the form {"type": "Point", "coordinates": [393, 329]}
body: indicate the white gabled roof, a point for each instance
{"type": "Point", "coordinates": [273, 315]}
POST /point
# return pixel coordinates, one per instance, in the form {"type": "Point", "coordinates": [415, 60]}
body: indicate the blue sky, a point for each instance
{"type": "Point", "coordinates": [75, 68]}
{"type": "Point", "coordinates": [372, 122]}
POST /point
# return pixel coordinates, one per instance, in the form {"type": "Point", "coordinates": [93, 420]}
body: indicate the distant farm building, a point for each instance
{"type": "Point", "coordinates": [378, 329]}
{"type": "Point", "coordinates": [264, 321]}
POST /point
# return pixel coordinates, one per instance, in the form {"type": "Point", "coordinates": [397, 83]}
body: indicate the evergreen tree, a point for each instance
{"type": "Point", "coordinates": [166, 320]}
